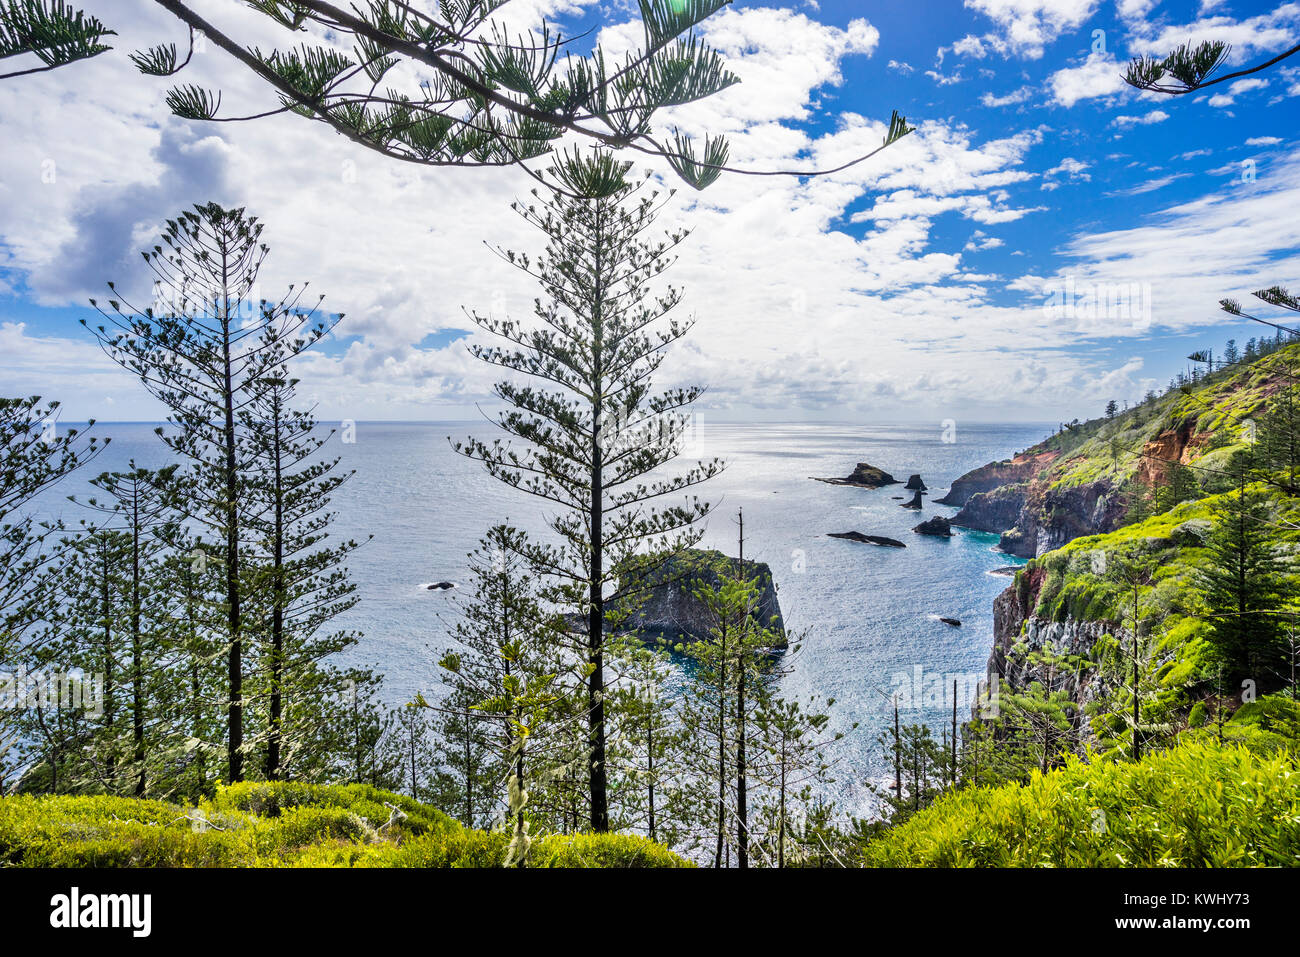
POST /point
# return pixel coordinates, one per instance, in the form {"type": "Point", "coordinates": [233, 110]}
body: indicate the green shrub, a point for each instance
{"type": "Point", "coordinates": [280, 825]}
{"type": "Point", "coordinates": [1197, 805]}
{"type": "Point", "coordinates": [602, 850]}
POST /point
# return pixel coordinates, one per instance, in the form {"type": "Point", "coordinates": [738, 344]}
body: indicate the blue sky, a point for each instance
{"type": "Point", "coordinates": [911, 287]}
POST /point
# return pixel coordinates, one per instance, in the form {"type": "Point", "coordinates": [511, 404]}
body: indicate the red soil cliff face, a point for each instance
{"type": "Point", "coordinates": [1171, 445]}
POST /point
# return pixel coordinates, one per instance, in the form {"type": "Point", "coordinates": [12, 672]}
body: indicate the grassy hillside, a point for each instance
{"type": "Point", "coordinates": [282, 825]}
{"type": "Point", "coordinates": [1196, 805]}
{"type": "Point", "coordinates": [1079, 582]}
{"type": "Point", "coordinates": [1201, 425]}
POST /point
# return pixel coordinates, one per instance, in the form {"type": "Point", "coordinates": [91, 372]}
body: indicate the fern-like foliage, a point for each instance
{"type": "Point", "coordinates": [1188, 68]}
{"type": "Point", "coordinates": [462, 89]}
{"type": "Point", "coordinates": [191, 102]}
{"type": "Point", "coordinates": [1278, 296]}
{"type": "Point", "coordinates": [52, 31]}
{"type": "Point", "coordinates": [698, 172]}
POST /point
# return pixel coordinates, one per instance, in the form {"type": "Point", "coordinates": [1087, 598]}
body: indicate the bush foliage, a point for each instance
{"type": "Point", "coordinates": [1196, 805]}
{"type": "Point", "coordinates": [282, 825]}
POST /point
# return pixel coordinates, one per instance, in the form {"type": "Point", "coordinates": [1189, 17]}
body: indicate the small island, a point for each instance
{"type": "Point", "coordinates": [868, 539]}
{"type": "Point", "coordinates": [864, 476]}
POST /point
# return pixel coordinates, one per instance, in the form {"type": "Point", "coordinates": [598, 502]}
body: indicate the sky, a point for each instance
{"type": "Point", "coordinates": [952, 276]}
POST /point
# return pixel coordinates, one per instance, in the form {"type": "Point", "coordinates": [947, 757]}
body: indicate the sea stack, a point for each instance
{"type": "Point", "coordinates": [938, 525]}
{"type": "Point", "coordinates": [914, 482]}
{"type": "Point", "coordinates": [916, 500]}
{"type": "Point", "coordinates": [865, 475]}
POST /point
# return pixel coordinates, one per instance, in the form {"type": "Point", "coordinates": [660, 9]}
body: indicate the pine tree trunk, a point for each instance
{"type": "Point", "coordinates": [898, 757]}
{"type": "Point", "coordinates": [110, 763]}
{"type": "Point", "coordinates": [596, 622]}
{"type": "Point", "coordinates": [276, 730]}
{"type": "Point", "coordinates": [954, 733]}
{"type": "Point", "coordinates": [137, 652]}
{"type": "Point", "coordinates": [742, 810]}
{"type": "Point", "coordinates": [722, 747]}
{"type": "Point", "coordinates": [235, 665]}
{"type": "Point", "coordinates": [469, 778]}
{"type": "Point", "coordinates": [650, 769]}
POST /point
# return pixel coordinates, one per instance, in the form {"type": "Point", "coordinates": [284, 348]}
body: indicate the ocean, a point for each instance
{"type": "Point", "coordinates": [867, 615]}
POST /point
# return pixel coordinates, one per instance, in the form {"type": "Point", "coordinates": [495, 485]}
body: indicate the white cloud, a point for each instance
{"type": "Point", "coordinates": [1146, 119]}
{"type": "Point", "coordinates": [1188, 275]}
{"type": "Point", "coordinates": [1098, 75]}
{"type": "Point", "coordinates": [1134, 10]}
{"type": "Point", "coordinates": [1073, 170]}
{"type": "Point", "coordinates": [1267, 32]}
{"type": "Point", "coordinates": [1009, 99]}
{"type": "Point", "coordinates": [979, 241]}
{"type": "Point", "coordinates": [1150, 186]}
{"type": "Point", "coordinates": [1026, 26]}
{"type": "Point", "coordinates": [1264, 141]}
{"type": "Point", "coordinates": [971, 46]}
{"type": "Point", "coordinates": [944, 79]}
{"type": "Point", "coordinates": [1236, 89]}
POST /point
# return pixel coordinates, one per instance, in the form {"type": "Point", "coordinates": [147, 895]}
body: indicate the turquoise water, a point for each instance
{"type": "Point", "coordinates": [868, 614]}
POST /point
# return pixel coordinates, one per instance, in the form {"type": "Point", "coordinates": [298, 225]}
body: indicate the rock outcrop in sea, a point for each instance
{"type": "Point", "coordinates": [938, 525]}
{"type": "Point", "coordinates": [669, 608]}
{"type": "Point", "coordinates": [864, 476]}
{"type": "Point", "coordinates": [867, 539]}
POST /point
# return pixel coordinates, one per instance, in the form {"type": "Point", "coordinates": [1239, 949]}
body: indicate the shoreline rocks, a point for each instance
{"type": "Point", "coordinates": [867, 539]}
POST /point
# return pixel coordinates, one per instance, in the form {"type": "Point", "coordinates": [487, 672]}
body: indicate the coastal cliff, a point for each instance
{"type": "Point", "coordinates": [1018, 631]}
{"type": "Point", "coordinates": [1082, 480]}
{"type": "Point", "coordinates": [1065, 503]}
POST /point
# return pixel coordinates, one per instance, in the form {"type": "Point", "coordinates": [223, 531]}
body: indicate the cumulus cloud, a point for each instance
{"type": "Point", "coordinates": [1070, 169]}
{"type": "Point", "coordinates": [859, 290]}
{"type": "Point", "coordinates": [1236, 89]}
{"type": "Point", "coordinates": [1009, 99]}
{"type": "Point", "coordinates": [1273, 31]}
{"type": "Point", "coordinates": [1025, 27]}
{"type": "Point", "coordinates": [1145, 119]}
{"type": "Point", "coordinates": [1099, 75]}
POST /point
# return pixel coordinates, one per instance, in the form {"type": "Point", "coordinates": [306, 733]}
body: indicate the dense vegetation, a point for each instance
{"type": "Point", "coordinates": [282, 825]}
{"type": "Point", "coordinates": [182, 636]}
{"type": "Point", "coordinates": [189, 705]}
{"type": "Point", "coordinates": [1197, 805]}
{"type": "Point", "coordinates": [1154, 669]}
